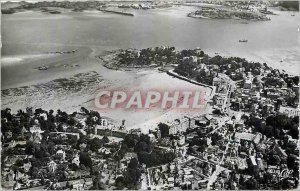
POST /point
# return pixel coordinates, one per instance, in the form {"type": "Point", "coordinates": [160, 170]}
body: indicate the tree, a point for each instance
{"type": "Point", "coordinates": [216, 112]}
{"type": "Point", "coordinates": [133, 163]}
{"type": "Point", "coordinates": [242, 180]}
{"type": "Point", "coordinates": [294, 131]}
{"type": "Point", "coordinates": [164, 129]}
{"type": "Point", "coordinates": [201, 53]}
{"type": "Point", "coordinates": [133, 174]}
{"type": "Point", "coordinates": [290, 162]}
{"type": "Point", "coordinates": [144, 157]}
{"type": "Point", "coordinates": [296, 80]}
{"type": "Point", "coordinates": [198, 141]}
{"type": "Point", "coordinates": [30, 148]}
{"type": "Point", "coordinates": [73, 141]}
{"type": "Point", "coordinates": [97, 184]}
{"type": "Point", "coordinates": [142, 146]}
{"type": "Point", "coordinates": [121, 153]}
{"type": "Point", "coordinates": [71, 121]}
{"type": "Point", "coordinates": [120, 183]}
{"type": "Point", "coordinates": [85, 159]}
{"type": "Point", "coordinates": [285, 184]}
{"type": "Point", "coordinates": [130, 140]}
{"type": "Point", "coordinates": [105, 139]}
{"type": "Point", "coordinates": [19, 163]}
{"type": "Point", "coordinates": [34, 172]}
{"type": "Point", "coordinates": [269, 131]}
{"type": "Point", "coordinates": [132, 178]}
{"type": "Point", "coordinates": [95, 144]}
{"type": "Point", "coordinates": [69, 186]}
{"type": "Point", "coordinates": [251, 184]}
{"type": "Point", "coordinates": [73, 167]}
{"type": "Point", "coordinates": [84, 110]}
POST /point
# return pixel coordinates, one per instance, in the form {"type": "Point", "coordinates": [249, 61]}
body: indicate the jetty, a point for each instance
{"type": "Point", "coordinates": [116, 12]}
{"type": "Point", "coordinates": [174, 74]}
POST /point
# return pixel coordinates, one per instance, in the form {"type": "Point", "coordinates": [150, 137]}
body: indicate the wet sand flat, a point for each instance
{"type": "Point", "coordinates": [20, 70]}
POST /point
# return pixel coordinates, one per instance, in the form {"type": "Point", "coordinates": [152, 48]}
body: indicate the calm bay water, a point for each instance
{"type": "Point", "coordinates": [29, 32]}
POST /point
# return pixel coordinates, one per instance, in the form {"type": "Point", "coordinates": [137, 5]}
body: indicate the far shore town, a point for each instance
{"type": "Point", "coordinates": [249, 140]}
{"type": "Point", "coordinates": [249, 11]}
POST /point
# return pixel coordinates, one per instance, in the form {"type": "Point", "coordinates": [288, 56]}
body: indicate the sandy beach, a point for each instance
{"type": "Point", "coordinates": [72, 80]}
{"type": "Point", "coordinates": [277, 58]}
{"type": "Point", "coordinates": [79, 85]}
{"type": "Point", "coordinates": [23, 70]}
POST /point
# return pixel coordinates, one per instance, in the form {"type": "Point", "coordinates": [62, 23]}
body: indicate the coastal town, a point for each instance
{"type": "Point", "coordinates": [249, 141]}
{"type": "Point", "coordinates": [241, 10]}
{"type": "Point", "coordinates": [149, 95]}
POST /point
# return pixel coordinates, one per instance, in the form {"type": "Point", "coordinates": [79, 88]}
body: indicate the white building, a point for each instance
{"type": "Point", "coordinates": [181, 140]}
{"type": "Point", "coordinates": [35, 129]}
{"type": "Point", "coordinates": [289, 111]}
{"type": "Point", "coordinates": [76, 160]}
{"type": "Point", "coordinates": [152, 137]}
{"type": "Point", "coordinates": [52, 166]}
{"type": "Point", "coordinates": [61, 153]}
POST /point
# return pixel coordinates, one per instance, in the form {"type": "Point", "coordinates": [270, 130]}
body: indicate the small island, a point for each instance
{"type": "Point", "coordinates": [46, 10]}
{"type": "Point", "coordinates": [221, 13]}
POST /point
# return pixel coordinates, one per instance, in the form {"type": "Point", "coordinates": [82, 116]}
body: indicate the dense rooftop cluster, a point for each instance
{"type": "Point", "coordinates": [268, 99]}
{"type": "Point", "coordinates": [251, 77]}
{"type": "Point", "coordinates": [81, 150]}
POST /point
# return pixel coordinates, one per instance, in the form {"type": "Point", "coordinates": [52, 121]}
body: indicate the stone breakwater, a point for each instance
{"type": "Point", "coordinates": [116, 12]}
{"type": "Point", "coordinates": [172, 73]}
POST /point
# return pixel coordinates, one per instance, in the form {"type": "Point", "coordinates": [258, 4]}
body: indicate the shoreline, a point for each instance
{"type": "Point", "coordinates": [27, 64]}
{"type": "Point", "coordinates": [241, 14]}
{"type": "Point", "coordinates": [22, 70]}
{"type": "Point", "coordinates": [112, 79]}
{"type": "Point", "coordinates": [268, 56]}
{"type": "Point", "coordinates": [158, 101]}
{"type": "Point", "coordinates": [50, 95]}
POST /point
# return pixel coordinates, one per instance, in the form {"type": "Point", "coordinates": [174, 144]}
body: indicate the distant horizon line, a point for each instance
{"type": "Point", "coordinates": [191, 1]}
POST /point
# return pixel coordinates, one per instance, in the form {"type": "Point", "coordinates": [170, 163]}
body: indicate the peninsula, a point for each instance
{"type": "Point", "coordinates": [221, 13]}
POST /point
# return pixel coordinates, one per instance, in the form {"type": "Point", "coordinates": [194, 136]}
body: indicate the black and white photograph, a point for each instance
{"type": "Point", "coordinates": [150, 94]}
